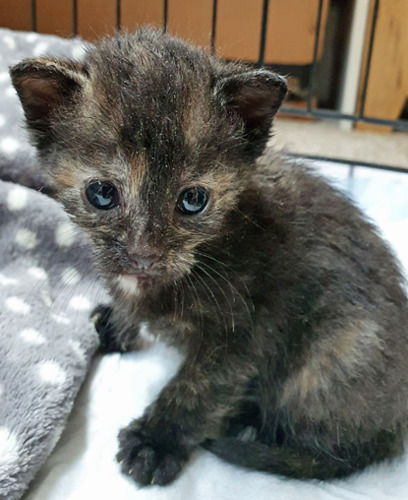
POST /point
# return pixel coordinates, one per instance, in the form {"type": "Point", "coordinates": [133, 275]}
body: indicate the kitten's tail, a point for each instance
{"type": "Point", "coordinates": [282, 460]}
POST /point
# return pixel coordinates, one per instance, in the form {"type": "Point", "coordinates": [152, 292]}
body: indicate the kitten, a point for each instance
{"type": "Point", "coordinates": [288, 306]}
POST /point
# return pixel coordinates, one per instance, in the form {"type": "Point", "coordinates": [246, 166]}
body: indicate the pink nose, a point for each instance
{"type": "Point", "coordinates": [144, 262]}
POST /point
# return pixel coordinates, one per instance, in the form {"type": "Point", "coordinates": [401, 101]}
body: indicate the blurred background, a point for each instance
{"type": "Point", "coordinates": [346, 60]}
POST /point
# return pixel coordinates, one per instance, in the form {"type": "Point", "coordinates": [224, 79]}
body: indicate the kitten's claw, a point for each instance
{"type": "Point", "coordinates": [146, 461]}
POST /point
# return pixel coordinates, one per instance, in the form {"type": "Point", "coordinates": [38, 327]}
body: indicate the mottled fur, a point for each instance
{"type": "Point", "coordinates": [289, 307]}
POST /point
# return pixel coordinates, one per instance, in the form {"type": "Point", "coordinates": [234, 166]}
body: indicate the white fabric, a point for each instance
{"type": "Point", "coordinates": [83, 466]}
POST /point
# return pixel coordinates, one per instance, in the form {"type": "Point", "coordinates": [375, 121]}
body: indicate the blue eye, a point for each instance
{"type": "Point", "coordinates": [102, 195]}
{"type": "Point", "coordinates": [192, 201]}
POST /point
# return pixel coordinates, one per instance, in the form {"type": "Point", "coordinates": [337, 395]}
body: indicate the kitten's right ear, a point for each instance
{"type": "Point", "coordinates": [44, 86]}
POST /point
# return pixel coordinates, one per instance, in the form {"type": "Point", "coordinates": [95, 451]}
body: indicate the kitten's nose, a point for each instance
{"type": "Point", "coordinates": [144, 262]}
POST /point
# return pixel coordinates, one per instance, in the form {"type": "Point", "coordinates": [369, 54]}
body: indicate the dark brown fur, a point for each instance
{"type": "Point", "coordinates": [289, 307]}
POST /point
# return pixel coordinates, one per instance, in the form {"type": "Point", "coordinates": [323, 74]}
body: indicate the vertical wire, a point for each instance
{"type": "Point", "coordinates": [263, 32]}
{"type": "Point", "coordinates": [33, 15]}
{"type": "Point", "coordinates": [75, 17]}
{"type": "Point", "coordinates": [165, 14]}
{"type": "Point", "coordinates": [369, 56]}
{"type": "Point", "coordinates": [213, 26]}
{"type": "Point", "coordinates": [315, 50]}
{"type": "Point", "coordinates": [118, 14]}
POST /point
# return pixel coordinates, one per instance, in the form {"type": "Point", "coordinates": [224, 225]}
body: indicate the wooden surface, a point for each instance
{"type": "Point", "coordinates": [238, 29]}
{"type": "Point", "coordinates": [135, 12]}
{"type": "Point", "coordinates": [387, 88]}
{"type": "Point", "coordinates": [191, 20]}
{"type": "Point", "coordinates": [58, 14]}
{"type": "Point", "coordinates": [290, 34]}
{"type": "Point", "coordinates": [96, 18]}
{"type": "Point", "coordinates": [16, 14]}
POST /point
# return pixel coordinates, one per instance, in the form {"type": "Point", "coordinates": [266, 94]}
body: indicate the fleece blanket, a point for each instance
{"type": "Point", "coordinates": [47, 289]}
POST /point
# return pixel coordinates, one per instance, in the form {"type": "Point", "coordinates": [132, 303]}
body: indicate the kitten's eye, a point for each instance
{"type": "Point", "coordinates": [102, 195]}
{"type": "Point", "coordinates": [192, 200]}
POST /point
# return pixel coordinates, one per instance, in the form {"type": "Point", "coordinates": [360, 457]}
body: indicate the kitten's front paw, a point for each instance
{"type": "Point", "coordinates": [146, 460]}
{"type": "Point", "coordinates": [101, 317]}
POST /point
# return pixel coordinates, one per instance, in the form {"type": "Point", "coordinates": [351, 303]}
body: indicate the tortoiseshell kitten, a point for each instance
{"type": "Point", "coordinates": [289, 308]}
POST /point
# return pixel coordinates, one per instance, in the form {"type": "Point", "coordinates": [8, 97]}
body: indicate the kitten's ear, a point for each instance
{"type": "Point", "coordinates": [255, 96]}
{"type": "Point", "coordinates": [44, 86]}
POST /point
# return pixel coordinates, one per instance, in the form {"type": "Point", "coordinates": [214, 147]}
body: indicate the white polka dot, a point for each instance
{"type": "Point", "coordinates": [2, 120]}
{"type": "Point", "coordinates": [9, 41]}
{"type": "Point", "coordinates": [9, 145]}
{"type": "Point", "coordinates": [38, 273]}
{"type": "Point", "coordinates": [9, 447]}
{"type": "Point", "coordinates": [40, 48]}
{"type": "Point", "coordinates": [4, 76]}
{"type": "Point", "coordinates": [17, 305]}
{"type": "Point", "coordinates": [31, 37]}
{"type": "Point", "coordinates": [32, 336]}
{"type": "Point", "coordinates": [61, 318]}
{"type": "Point", "coordinates": [78, 52]}
{"type": "Point", "coordinates": [65, 235]}
{"type": "Point", "coordinates": [26, 239]}
{"type": "Point", "coordinates": [1, 389]}
{"type": "Point", "coordinates": [80, 303]}
{"type": "Point", "coordinates": [78, 349]}
{"type": "Point", "coordinates": [10, 91]}
{"type": "Point", "coordinates": [17, 198]}
{"type": "Point", "coordinates": [70, 276]}
{"type": "Point", "coordinates": [52, 373]}
{"type": "Point", "coordinates": [5, 281]}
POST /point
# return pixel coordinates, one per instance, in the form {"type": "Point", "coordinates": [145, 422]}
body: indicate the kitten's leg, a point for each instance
{"type": "Point", "coordinates": [102, 318]}
{"type": "Point", "coordinates": [192, 408]}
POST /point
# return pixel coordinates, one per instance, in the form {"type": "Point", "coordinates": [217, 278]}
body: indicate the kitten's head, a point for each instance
{"type": "Point", "coordinates": [148, 143]}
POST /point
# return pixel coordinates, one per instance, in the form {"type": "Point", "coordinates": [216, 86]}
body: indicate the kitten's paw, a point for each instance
{"type": "Point", "coordinates": [101, 318]}
{"type": "Point", "coordinates": [145, 460]}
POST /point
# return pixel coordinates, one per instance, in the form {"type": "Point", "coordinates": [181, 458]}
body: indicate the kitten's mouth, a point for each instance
{"type": "Point", "coordinates": [134, 282]}
{"type": "Point", "coordinates": [140, 277]}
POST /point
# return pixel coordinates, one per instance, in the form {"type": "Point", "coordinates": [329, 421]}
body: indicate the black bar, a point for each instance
{"type": "Point", "coordinates": [263, 33]}
{"type": "Point", "coordinates": [315, 50]}
{"type": "Point", "coordinates": [165, 14]}
{"type": "Point", "coordinates": [369, 55]}
{"type": "Point", "coordinates": [33, 15]}
{"type": "Point", "coordinates": [335, 115]}
{"type": "Point", "coordinates": [352, 163]}
{"type": "Point", "coordinates": [118, 14]}
{"type": "Point", "coordinates": [75, 17]}
{"type": "Point", "coordinates": [213, 26]}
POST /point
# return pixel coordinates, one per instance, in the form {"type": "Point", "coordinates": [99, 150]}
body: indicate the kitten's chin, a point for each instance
{"type": "Point", "coordinates": [133, 284]}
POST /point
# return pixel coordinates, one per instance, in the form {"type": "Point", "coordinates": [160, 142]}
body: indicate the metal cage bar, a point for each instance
{"type": "Point", "coordinates": [369, 56]}
{"type": "Point", "coordinates": [34, 15]}
{"type": "Point", "coordinates": [118, 14]}
{"type": "Point", "coordinates": [75, 16]}
{"type": "Point", "coordinates": [315, 51]}
{"type": "Point", "coordinates": [213, 25]}
{"type": "Point", "coordinates": [165, 14]}
{"type": "Point", "coordinates": [262, 41]}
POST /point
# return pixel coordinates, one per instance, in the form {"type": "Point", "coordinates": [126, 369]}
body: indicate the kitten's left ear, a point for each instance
{"type": "Point", "coordinates": [45, 86]}
{"type": "Point", "coordinates": [255, 96]}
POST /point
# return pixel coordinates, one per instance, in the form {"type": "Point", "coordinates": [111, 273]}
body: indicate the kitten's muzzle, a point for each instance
{"type": "Point", "coordinates": [144, 264]}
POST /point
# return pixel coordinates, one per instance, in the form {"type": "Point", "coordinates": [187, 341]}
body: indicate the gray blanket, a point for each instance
{"type": "Point", "coordinates": [47, 290]}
